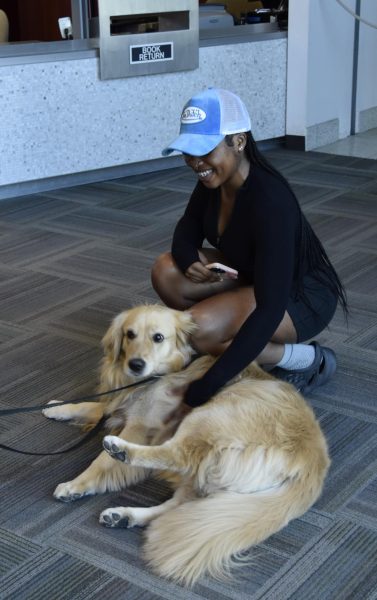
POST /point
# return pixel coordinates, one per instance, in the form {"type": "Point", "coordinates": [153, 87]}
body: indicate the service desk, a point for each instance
{"type": "Point", "coordinates": [61, 124]}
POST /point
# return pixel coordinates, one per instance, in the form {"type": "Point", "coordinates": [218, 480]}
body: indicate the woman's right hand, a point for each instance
{"type": "Point", "coordinates": [198, 273]}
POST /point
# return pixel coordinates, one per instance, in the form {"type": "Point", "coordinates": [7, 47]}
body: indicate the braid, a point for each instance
{"type": "Point", "coordinates": [311, 250]}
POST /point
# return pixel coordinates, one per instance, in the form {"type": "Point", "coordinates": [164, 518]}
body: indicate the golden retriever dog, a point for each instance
{"type": "Point", "coordinates": [243, 464]}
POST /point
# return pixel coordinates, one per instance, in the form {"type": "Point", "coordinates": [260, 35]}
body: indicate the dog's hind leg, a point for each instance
{"type": "Point", "coordinates": [104, 474]}
{"type": "Point", "coordinates": [127, 517]}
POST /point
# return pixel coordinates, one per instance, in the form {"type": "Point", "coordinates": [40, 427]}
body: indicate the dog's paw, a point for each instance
{"type": "Point", "coordinates": [56, 412]}
{"type": "Point", "coordinates": [68, 492]}
{"type": "Point", "coordinates": [116, 448]}
{"type": "Point", "coordinates": [115, 517]}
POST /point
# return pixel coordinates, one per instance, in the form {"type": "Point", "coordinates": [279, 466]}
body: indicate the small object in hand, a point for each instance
{"type": "Point", "coordinates": [223, 270]}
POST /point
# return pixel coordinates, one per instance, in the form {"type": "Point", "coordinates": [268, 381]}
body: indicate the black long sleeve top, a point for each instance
{"type": "Point", "coordinates": [261, 240]}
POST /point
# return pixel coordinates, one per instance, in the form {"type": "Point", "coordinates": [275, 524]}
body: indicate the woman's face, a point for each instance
{"type": "Point", "coordinates": [225, 165]}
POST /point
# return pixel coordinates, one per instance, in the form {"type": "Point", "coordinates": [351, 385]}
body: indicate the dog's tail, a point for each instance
{"type": "Point", "coordinates": [205, 535]}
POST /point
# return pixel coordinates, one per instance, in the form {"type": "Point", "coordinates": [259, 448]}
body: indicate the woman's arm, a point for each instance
{"type": "Point", "coordinates": [189, 235]}
{"type": "Point", "coordinates": [274, 231]}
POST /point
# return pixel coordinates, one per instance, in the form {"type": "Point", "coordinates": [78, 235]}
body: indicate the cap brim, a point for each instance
{"type": "Point", "coordinates": [194, 144]}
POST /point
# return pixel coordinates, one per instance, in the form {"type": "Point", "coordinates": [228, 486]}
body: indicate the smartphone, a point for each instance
{"type": "Point", "coordinates": [223, 270]}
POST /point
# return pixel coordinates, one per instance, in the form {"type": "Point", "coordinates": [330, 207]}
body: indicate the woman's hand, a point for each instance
{"type": "Point", "coordinates": [188, 392]}
{"type": "Point", "coordinates": [198, 273]}
{"type": "Point", "coordinates": [194, 394]}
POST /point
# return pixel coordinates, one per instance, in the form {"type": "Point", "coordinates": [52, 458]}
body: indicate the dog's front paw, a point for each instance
{"type": "Point", "coordinates": [115, 517]}
{"type": "Point", "coordinates": [68, 492]}
{"type": "Point", "coordinates": [56, 412]}
{"type": "Point", "coordinates": [116, 448]}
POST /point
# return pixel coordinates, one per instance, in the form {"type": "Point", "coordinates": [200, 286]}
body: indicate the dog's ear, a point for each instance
{"type": "Point", "coordinates": [113, 338]}
{"type": "Point", "coordinates": [184, 327]}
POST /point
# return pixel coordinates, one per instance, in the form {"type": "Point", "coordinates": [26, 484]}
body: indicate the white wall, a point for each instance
{"type": "Point", "coordinates": [330, 64]}
{"type": "Point", "coordinates": [297, 71]}
{"type": "Point", "coordinates": [320, 69]}
{"type": "Point", "coordinates": [367, 68]}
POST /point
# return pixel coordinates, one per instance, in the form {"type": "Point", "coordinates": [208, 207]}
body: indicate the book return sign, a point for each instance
{"type": "Point", "coordinates": [151, 53]}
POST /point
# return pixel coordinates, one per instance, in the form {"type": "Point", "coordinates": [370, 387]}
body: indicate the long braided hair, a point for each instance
{"type": "Point", "coordinates": [311, 251]}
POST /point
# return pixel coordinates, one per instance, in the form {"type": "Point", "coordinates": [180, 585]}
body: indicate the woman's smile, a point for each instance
{"type": "Point", "coordinates": [204, 174]}
{"type": "Point", "coordinates": [223, 165]}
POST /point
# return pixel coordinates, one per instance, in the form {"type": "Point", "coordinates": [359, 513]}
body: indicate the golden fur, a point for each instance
{"type": "Point", "coordinates": [245, 463]}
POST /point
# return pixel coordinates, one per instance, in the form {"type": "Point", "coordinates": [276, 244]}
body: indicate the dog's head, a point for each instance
{"type": "Point", "coordinates": [149, 339]}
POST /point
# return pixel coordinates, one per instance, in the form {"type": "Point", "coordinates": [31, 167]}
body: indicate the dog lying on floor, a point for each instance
{"type": "Point", "coordinates": [243, 465]}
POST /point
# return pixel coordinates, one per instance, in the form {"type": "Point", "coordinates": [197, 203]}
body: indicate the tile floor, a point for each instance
{"type": "Point", "coordinates": [362, 145]}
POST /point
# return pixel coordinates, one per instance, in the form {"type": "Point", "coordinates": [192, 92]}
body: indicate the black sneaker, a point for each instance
{"type": "Point", "coordinates": [308, 379]}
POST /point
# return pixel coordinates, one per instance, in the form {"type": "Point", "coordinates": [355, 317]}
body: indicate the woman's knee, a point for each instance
{"type": "Point", "coordinates": [219, 318]}
{"type": "Point", "coordinates": [205, 337]}
{"type": "Point", "coordinates": [161, 266]}
{"type": "Point", "coordinates": [213, 332]}
{"type": "Point", "coordinates": [167, 281]}
{"type": "Point", "coordinates": [163, 272]}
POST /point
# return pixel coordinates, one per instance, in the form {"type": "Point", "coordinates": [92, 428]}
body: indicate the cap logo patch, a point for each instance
{"type": "Point", "coordinates": [193, 114]}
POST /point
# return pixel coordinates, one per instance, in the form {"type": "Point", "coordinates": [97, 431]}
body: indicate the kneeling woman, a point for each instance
{"type": "Point", "coordinates": [286, 291]}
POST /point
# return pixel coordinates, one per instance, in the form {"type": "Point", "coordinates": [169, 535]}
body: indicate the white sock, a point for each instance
{"type": "Point", "coordinates": [297, 356]}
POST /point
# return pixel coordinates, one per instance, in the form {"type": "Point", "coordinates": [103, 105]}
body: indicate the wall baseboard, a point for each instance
{"type": "Point", "coordinates": [28, 188]}
{"type": "Point", "coordinates": [322, 134]}
{"type": "Point", "coordinates": [37, 186]}
{"type": "Point", "coordinates": [367, 119]}
{"type": "Point", "coordinates": [295, 142]}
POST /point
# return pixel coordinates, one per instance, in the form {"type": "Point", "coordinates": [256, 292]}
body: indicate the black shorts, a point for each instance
{"type": "Point", "coordinates": [312, 317]}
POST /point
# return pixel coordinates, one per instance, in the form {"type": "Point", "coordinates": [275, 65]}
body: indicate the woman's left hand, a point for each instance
{"type": "Point", "coordinates": [194, 395]}
{"type": "Point", "coordinates": [189, 392]}
{"type": "Point", "coordinates": [199, 273]}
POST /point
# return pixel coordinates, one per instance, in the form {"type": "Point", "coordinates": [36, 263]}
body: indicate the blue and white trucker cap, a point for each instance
{"type": "Point", "coordinates": [206, 119]}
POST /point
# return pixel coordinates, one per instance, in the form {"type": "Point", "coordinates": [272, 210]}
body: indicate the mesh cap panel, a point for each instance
{"type": "Point", "coordinates": [234, 116]}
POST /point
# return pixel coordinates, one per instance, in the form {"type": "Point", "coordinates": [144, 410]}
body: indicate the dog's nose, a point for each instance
{"type": "Point", "coordinates": [136, 365]}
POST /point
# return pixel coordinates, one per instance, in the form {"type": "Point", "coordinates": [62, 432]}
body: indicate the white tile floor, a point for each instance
{"type": "Point", "coordinates": [362, 145]}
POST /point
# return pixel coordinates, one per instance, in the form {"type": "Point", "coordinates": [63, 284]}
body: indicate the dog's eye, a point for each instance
{"type": "Point", "coordinates": [130, 334]}
{"type": "Point", "coordinates": [158, 338]}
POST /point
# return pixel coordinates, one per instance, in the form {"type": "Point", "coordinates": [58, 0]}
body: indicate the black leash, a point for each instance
{"type": "Point", "coordinates": [26, 409]}
{"type": "Point", "coordinates": [88, 436]}
{"type": "Point", "coordinates": [83, 440]}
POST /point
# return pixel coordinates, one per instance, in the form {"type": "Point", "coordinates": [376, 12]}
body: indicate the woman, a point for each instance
{"type": "Point", "coordinates": [286, 291]}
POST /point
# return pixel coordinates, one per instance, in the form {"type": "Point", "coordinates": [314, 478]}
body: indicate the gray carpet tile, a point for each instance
{"type": "Point", "coordinates": [8, 274]}
{"type": "Point", "coordinates": [14, 550]}
{"type": "Point", "coordinates": [355, 203]}
{"type": "Point", "coordinates": [23, 247]}
{"type": "Point", "coordinates": [152, 202]}
{"type": "Point", "coordinates": [335, 177]}
{"type": "Point", "coordinates": [104, 265]}
{"type": "Point", "coordinates": [98, 222]}
{"type": "Point", "coordinates": [9, 331]}
{"type": "Point", "coordinates": [35, 294]}
{"type": "Point", "coordinates": [370, 188]}
{"type": "Point", "coordinates": [340, 565]}
{"type": "Point", "coordinates": [55, 575]}
{"type": "Point", "coordinates": [70, 260]}
{"type": "Point", "coordinates": [362, 507]}
{"type": "Point", "coordinates": [312, 194]}
{"type": "Point", "coordinates": [32, 209]}
{"type": "Point", "coordinates": [333, 229]}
